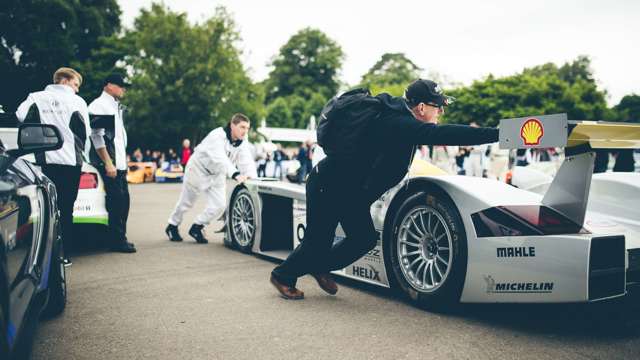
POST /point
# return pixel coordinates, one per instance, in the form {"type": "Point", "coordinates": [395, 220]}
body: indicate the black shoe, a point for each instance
{"type": "Point", "coordinates": [67, 262]}
{"type": "Point", "coordinates": [172, 233]}
{"type": "Point", "coordinates": [196, 233]}
{"type": "Point", "coordinates": [125, 247]}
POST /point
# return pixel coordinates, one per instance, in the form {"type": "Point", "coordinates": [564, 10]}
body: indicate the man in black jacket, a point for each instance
{"type": "Point", "coordinates": [340, 190]}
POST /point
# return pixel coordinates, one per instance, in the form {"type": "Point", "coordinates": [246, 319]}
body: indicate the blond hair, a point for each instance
{"type": "Point", "coordinates": [66, 73]}
{"type": "Point", "coordinates": [238, 117]}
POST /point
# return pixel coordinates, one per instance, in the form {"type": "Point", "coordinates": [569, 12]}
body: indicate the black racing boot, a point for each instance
{"type": "Point", "coordinates": [172, 233]}
{"type": "Point", "coordinates": [196, 233]}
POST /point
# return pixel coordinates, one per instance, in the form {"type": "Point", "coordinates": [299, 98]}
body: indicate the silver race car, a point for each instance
{"type": "Point", "coordinates": [447, 238]}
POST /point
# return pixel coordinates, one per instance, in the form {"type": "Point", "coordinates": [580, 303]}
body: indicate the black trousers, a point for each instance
{"type": "Point", "coordinates": [67, 179]}
{"type": "Point", "coordinates": [117, 203]}
{"type": "Point", "coordinates": [329, 203]}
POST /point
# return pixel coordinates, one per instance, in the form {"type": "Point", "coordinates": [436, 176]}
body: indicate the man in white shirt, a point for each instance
{"type": "Point", "coordinates": [109, 139]}
{"type": "Point", "coordinates": [59, 105]}
{"type": "Point", "coordinates": [213, 160]}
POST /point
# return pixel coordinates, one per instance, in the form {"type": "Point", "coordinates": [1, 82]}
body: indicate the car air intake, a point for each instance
{"type": "Point", "coordinates": [88, 181]}
{"type": "Point", "coordinates": [606, 267]}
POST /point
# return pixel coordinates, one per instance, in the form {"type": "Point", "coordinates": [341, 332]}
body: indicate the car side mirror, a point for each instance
{"type": "Point", "coordinates": [36, 138]}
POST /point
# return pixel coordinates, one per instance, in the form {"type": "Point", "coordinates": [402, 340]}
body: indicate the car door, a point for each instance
{"type": "Point", "coordinates": [19, 227]}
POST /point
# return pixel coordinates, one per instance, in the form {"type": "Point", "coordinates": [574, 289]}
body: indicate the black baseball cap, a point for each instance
{"type": "Point", "coordinates": [428, 92]}
{"type": "Point", "coordinates": [116, 79]}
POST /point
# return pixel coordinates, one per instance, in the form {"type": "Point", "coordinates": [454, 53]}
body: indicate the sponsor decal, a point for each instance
{"type": "Point", "coordinates": [494, 287]}
{"type": "Point", "coordinates": [300, 232]}
{"type": "Point", "coordinates": [368, 272]}
{"type": "Point", "coordinates": [532, 131]}
{"type": "Point", "coordinates": [516, 251]}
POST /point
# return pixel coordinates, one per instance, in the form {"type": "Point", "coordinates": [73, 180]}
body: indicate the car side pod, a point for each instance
{"type": "Point", "coordinates": [568, 193]}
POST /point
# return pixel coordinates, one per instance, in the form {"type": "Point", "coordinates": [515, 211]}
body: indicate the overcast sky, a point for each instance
{"type": "Point", "coordinates": [463, 40]}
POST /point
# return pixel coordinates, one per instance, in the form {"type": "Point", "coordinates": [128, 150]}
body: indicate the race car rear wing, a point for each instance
{"type": "Point", "coordinates": [569, 190]}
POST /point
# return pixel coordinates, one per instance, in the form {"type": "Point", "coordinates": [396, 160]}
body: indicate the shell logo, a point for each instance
{"type": "Point", "coordinates": [532, 131]}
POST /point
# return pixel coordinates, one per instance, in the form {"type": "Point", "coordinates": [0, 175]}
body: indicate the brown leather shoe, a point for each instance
{"type": "Point", "coordinates": [326, 283]}
{"type": "Point", "coordinates": [287, 292]}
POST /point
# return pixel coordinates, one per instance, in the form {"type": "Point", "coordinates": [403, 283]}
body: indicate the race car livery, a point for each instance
{"type": "Point", "coordinates": [446, 238]}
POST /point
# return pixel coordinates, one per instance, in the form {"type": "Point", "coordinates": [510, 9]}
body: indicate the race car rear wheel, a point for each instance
{"type": "Point", "coordinates": [428, 250]}
{"type": "Point", "coordinates": [243, 221]}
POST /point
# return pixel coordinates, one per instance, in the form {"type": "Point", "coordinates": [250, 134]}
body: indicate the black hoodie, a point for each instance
{"type": "Point", "coordinates": [390, 145]}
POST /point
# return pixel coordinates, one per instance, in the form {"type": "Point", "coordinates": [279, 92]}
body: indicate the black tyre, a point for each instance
{"type": "Point", "coordinates": [242, 221]}
{"type": "Point", "coordinates": [57, 297]}
{"type": "Point", "coordinates": [427, 251]}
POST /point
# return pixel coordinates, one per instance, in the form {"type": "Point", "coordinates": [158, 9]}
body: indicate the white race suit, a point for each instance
{"type": "Point", "coordinates": [213, 160]}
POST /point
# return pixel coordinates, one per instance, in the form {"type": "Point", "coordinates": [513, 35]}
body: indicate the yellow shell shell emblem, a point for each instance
{"type": "Point", "coordinates": [532, 131]}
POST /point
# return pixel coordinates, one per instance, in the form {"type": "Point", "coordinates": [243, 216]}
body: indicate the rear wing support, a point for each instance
{"type": "Point", "coordinates": [569, 190]}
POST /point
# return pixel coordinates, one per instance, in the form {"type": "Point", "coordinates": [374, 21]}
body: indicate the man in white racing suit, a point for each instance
{"type": "Point", "coordinates": [213, 160]}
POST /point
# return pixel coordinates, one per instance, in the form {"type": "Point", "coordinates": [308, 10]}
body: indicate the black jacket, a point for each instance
{"type": "Point", "coordinates": [389, 147]}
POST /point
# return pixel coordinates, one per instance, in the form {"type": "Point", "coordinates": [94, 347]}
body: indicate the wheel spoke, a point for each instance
{"type": "Point", "coordinates": [422, 223]}
{"type": "Point", "coordinates": [413, 235]}
{"type": "Point", "coordinates": [417, 227]}
{"type": "Point", "coordinates": [424, 275]}
{"type": "Point", "coordinates": [443, 248]}
{"type": "Point", "coordinates": [445, 262]}
{"type": "Point", "coordinates": [422, 263]}
{"type": "Point", "coordinates": [415, 261]}
{"type": "Point", "coordinates": [410, 243]}
{"type": "Point", "coordinates": [412, 253]}
{"type": "Point", "coordinates": [435, 227]}
{"type": "Point", "coordinates": [433, 283]}
{"type": "Point", "coordinates": [440, 237]}
{"type": "Point", "coordinates": [435, 263]}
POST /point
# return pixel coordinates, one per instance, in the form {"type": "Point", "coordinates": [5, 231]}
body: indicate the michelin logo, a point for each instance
{"type": "Point", "coordinates": [494, 287]}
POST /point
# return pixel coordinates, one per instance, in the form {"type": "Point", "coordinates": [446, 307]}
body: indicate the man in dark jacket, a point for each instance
{"type": "Point", "coordinates": [341, 191]}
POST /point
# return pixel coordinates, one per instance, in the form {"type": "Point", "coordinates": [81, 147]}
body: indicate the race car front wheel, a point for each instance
{"type": "Point", "coordinates": [428, 250]}
{"type": "Point", "coordinates": [243, 221]}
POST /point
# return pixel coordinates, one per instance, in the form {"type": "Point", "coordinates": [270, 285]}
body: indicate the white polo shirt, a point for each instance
{"type": "Point", "coordinates": [106, 104]}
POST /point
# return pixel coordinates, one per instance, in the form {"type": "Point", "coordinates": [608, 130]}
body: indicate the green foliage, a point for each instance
{"type": "Point", "coordinates": [390, 72]}
{"type": "Point", "coordinates": [303, 78]}
{"type": "Point", "coordinates": [628, 109]}
{"type": "Point", "coordinates": [186, 79]}
{"type": "Point", "coordinates": [544, 89]}
{"type": "Point", "coordinates": [37, 37]}
{"type": "Point", "coordinates": [279, 114]}
{"type": "Point", "coordinates": [309, 62]}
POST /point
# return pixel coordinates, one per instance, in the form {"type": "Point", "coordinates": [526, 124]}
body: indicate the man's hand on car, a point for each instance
{"type": "Point", "coordinates": [242, 178]}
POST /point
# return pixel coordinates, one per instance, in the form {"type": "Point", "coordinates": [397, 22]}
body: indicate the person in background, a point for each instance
{"type": "Point", "coordinates": [109, 156]}
{"type": "Point", "coordinates": [278, 157]}
{"type": "Point", "coordinates": [222, 154]}
{"type": "Point", "coordinates": [186, 152]}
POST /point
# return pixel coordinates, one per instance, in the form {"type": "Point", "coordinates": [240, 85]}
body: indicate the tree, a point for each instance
{"type": "Point", "coordinates": [628, 109]}
{"type": "Point", "coordinates": [37, 37]}
{"type": "Point", "coordinates": [308, 63]}
{"type": "Point", "coordinates": [279, 114]}
{"type": "Point", "coordinates": [544, 89]}
{"type": "Point", "coordinates": [393, 70]}
{"type": "Point", "coordinates": [186, 79]}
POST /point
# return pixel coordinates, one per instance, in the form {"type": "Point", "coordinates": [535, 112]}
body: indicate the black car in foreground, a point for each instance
{"type": "Point", "coordinates": [32, 273]}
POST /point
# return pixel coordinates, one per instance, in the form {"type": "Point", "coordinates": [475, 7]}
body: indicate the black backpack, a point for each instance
{"type": "Point", "coordinates": [344, 121]}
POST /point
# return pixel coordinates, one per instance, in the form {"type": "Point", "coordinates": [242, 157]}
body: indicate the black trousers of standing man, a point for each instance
{"type": "Point", "coordinates": [67, 179]}
{"type": "Point", "coordinates": [117, 203]}
{"type": "Point", "coordinates": [330, 200]}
